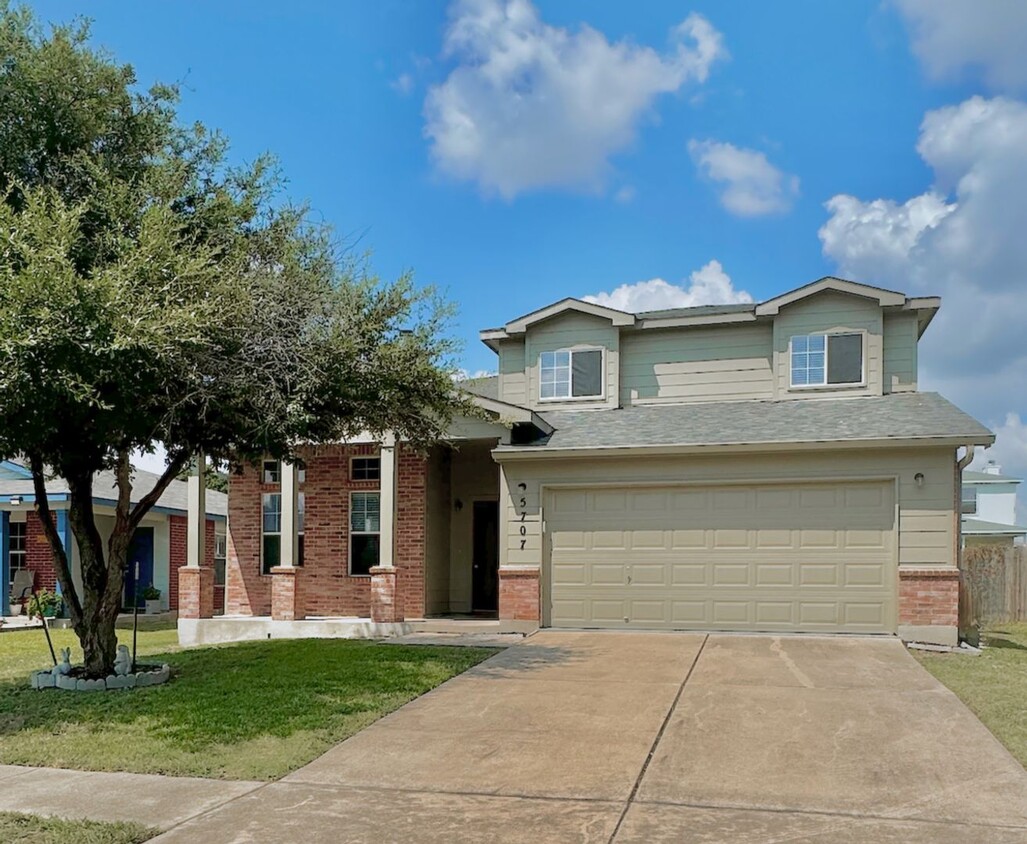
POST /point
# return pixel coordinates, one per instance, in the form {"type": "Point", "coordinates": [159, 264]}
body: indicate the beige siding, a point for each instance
{"type": "Point", "coordinates": [829, 312]}
{"type": "Point", "coordinates": [512, 378]}
{"type": "Point", "coordinates": [926, 515]}
{"type": "Point", "coordinates": [726, 363]}
{"type": "Point", "coordinates": [573, 331]}
{"type": "Point", "coordinates": [437, 542]}
{"type": "Point", "coordinates": [900, 353]}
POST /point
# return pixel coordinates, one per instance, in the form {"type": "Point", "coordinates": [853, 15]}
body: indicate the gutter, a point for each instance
{"type": "Point", "coordinates": [508, 453]}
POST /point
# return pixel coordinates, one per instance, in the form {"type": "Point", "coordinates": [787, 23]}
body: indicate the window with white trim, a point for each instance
{"type": "Point", "coordinates": [220, 554]}
{"type": "Point", "coordinates": [272, 472]}
{"type": "Point", "coordinates": [819, 360]}
{"type": "Point", "coordinates": [16, 554]}
{"type": "Point", "coordinates": [365, 527]}
{"type": "Point", "coordinates": [969, 500]}
{"type": "Point", "coordinates": [571, 374]}
{"type": "Point", "coordinates": [271, 531]}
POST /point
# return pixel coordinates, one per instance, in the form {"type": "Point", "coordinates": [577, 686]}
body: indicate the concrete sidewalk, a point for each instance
{"type": "Point", "coordinates": [161, 802]}
{"type": "Point", "coordinates": [628, 738]}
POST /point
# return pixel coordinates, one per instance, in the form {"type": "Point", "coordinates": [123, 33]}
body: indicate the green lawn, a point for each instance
{"type": "Point", "coordinates": [254, 710]}
{"type": "Point", "coordinates": [28, 829]}
{"type": "Point", "coordinates": [993, 685]}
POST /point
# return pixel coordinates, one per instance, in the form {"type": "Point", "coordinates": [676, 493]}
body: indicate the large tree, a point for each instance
{"type": "Point", "coordinates": [152, 296]}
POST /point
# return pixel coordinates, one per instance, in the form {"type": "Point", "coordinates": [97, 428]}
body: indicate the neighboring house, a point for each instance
{"type": "Point", "coordinates": [989, 507]}
{"type": "Point", "coordinates": [158, 545]}
{"type": "Point", "coordinates": [753, 467]}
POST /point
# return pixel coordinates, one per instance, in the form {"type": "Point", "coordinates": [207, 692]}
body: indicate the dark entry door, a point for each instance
{"type": "Point", "coordinates": [140, 551]}
{"type": "Point", "coordinates": [485, 580]}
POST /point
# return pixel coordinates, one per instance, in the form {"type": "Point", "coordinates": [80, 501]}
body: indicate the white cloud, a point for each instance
{"type": "Point", "coordinates": [987, 36]}
{"type": "Point", "coordinates": [750, 186]}
{"type": "Point", "coordinates": [962, 239]}
{"type": "Point", "coordinates": [531, 106]}
{"type": "Point", "coordinates": [626, 194]}
{"type": "Point", "coordinates": [709, 285]}
{"type": "Point", "coordinates": [403, 84]}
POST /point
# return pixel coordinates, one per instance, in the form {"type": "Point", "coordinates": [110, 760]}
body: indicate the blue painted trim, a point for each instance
{"type": "Point", "coordinates": [29, 498]}
{"type": "Point", "coordinates": [166, 511]}
{"type": "Point", "coordinates": [14, 468]}
{"type": "Point", "coordinates": [5, 561]}
{"type": "Point", "coordinates": [64, 530]}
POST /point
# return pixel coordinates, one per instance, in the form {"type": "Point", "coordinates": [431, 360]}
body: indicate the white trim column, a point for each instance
{"type": "Point", "coordinates": [388, 486]}
{"type": "Point", "coordinates": [290, 515]}
{"type": "Point", "coordinates": [196, 532]}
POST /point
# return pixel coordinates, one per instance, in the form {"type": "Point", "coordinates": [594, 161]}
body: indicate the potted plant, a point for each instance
{"type": "Point", "coordinates": [151, 595]}
{"type": "Point", "coordinates": [44, 604]}
{"type": "Point", "coordinates": [15, 608]}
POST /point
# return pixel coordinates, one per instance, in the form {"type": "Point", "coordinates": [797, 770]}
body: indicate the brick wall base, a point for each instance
{"type": "Point", "coordinates": [929, 605]}
{"type": "Point", "coordinates": [195, 592]}
{"type": "Point", "coordinates": [286, 602]}
{"type": "Point", "coordinates": [384, 607]}
{"type": "Point", "coordinates": [519, 594]}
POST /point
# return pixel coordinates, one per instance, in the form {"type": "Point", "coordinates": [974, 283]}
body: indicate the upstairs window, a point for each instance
{"type": "Point", "coordinates": [365, 469]}
{"type": "Point", "coordinates": [272, 472]}
{"type": "Point", "coordinates": [824, 359]}
{"type": "Point", "coordinates": [969, 502]}
{"type": "Point", "coordinates": [571, 374]}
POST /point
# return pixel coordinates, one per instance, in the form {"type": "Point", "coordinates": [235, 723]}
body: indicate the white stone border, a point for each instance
{"type": "Point", "coordinates": [151, 675]}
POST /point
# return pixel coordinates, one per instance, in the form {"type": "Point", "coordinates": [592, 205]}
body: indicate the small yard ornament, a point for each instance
{"type": "Point", "coordinates": [123, 661]}
{"type": "Point", "coordinates": [64, 666]}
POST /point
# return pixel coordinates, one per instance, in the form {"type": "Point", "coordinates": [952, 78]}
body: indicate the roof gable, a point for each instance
{"type": "Point", "coordinates": [885, 298]}
{"type": "Point", "coordinates": [521, 324]}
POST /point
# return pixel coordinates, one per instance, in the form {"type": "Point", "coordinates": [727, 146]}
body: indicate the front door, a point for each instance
{"type": "Point", "coordinates": [139, 552]}
{"type": "Point", "coordinates": [485, 580]}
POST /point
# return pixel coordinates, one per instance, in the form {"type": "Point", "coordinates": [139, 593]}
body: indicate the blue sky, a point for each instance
{"type": "Point", "coordinates": [513, 153]}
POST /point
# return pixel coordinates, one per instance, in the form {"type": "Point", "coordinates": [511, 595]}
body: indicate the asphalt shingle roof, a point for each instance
{"type": "Point", "coordinates": [487, 387]}
{"type": "Point", "coordinates": [175, 497]}
{"type": "Point", "coordinates": [981, 526]}
{"type": "Point", "coordinates": [897, 416]}
{"type": "Point", "coordinates": [987, 477]}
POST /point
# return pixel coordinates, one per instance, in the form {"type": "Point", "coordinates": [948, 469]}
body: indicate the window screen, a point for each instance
{"type": "Point", "coordinates": [844, 358]}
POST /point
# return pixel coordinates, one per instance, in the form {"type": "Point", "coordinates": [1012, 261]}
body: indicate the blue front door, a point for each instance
{"type": "Point", "coordinates": [141, 552]}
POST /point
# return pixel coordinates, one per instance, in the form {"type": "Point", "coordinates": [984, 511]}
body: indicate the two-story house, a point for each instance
{"type": "Point", "coordinates": [989, 507]}
{"type": "Point", "coordinates": [751, 467]}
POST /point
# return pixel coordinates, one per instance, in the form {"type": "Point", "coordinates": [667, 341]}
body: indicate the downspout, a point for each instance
{"type": "Point", "coordinates": [961, 464]}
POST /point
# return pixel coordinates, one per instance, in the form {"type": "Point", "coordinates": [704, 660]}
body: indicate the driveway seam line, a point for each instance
{"type": "Point", "coordinates": [657, 739]}
{"type": "Point", "coordinates": [449, 792]}
{"type": "Point", "coordinates": [738, 807]}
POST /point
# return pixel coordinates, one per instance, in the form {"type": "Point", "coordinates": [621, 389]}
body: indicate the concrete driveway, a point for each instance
{"type": "Point", "coordinates": [638, 737]}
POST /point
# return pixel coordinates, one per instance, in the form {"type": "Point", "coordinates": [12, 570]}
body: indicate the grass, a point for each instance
{"type": "Point", "coordinates": [254, 710]}
{"type": "Point", "coordinates": [993, 685]}
{"type": "Point", "coordinates": [29, 829]}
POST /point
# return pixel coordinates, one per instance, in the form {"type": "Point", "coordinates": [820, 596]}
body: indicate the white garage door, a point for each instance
{"type": "Point", "coordinates": [803, 557]}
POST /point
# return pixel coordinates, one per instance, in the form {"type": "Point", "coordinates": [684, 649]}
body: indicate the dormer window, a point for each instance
{"type": "Point", "coordinates": [820, 360]}
{"type": "Point", "coordinates": [571, 374]}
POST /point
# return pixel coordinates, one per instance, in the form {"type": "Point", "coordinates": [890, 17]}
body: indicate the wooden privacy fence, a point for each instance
{"type": "Point", "coordinates": [992, 586]}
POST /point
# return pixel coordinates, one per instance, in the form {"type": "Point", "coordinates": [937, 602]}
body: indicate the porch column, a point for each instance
{"type": "Point", "coordinates": [384, 606]}
{"type": "Point", "coordinates": [285, 597]}
{"type": "Point", "coordinates": [5, 574]}
{"type": "Point", "coordinates": [195, 580]}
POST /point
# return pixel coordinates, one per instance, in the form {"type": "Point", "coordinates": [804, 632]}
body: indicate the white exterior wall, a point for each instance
{"type": "Point", "coordinates": [996, 503]}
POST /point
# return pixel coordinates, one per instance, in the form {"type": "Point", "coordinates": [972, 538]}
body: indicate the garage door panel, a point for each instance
{"type": "Point", "coordinates": [729, 557]}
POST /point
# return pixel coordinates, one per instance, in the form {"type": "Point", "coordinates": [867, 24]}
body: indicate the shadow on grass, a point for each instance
{"type": "Point", "coordinates": [1002, 641]}
{"type": "Point", "coordinates": [233, 694]}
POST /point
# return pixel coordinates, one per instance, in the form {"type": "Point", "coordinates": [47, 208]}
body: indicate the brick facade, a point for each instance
{"type": "Point", "coordinates": [38, 556]}
{"type": "Point", "coordinates": [324, 585]}
{"type": "Point", "coordinates": [178, 535]}
{"type": "Point", "coordinates": [929, 597]}
{"type": "Point", "coordinates": [197, 592]}
{"type": "Point", "coordinates": [519, 594]}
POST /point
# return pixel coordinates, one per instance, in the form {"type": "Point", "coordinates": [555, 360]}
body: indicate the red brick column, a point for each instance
{"type": "Point", "coordinates": [519, 594]}
{"type": "Point", "coordinates": [384, 607]}
{"type": "Point", "coordinates": [195, 592]}
{"type": "Point", "coordinates": [929, 597]}
{"type": "Point", "coordinates": [285, 594]}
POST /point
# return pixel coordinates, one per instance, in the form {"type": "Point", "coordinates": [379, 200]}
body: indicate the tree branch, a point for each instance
{"type": "Point", "coordinates": [60, 555]}
{"type": "Point", "coordinates": [143, 506]}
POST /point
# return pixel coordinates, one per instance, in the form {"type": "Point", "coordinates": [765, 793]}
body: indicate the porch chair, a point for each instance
{"type": "Point", "coordinates": [21, 588]}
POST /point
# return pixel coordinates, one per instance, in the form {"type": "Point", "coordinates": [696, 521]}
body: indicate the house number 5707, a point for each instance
{"type": "Point", "coordinates": [522, 504]}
